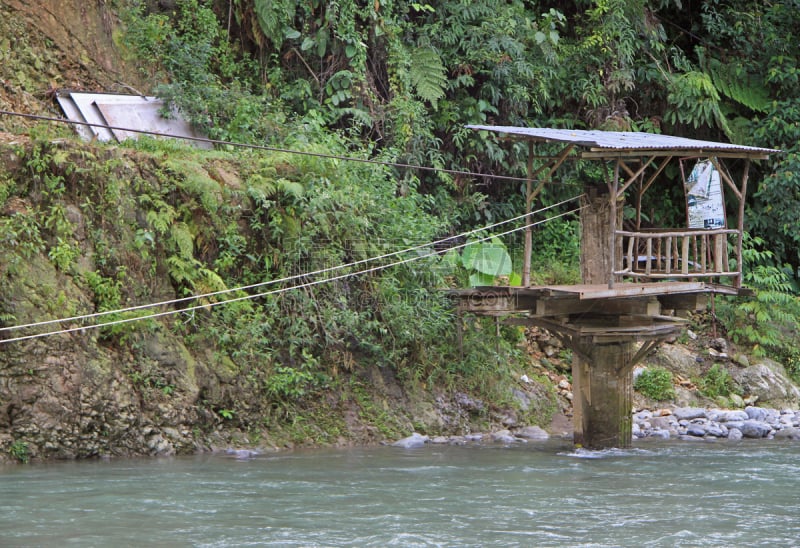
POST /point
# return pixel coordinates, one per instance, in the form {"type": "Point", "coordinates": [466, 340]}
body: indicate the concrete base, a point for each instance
{"type": "Point", "coordinates": [602, 387]}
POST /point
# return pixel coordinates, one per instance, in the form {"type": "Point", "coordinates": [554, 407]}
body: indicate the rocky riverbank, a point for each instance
{"type": "Point", "coordinates": [680, 423]}
{"type": "Point", "coordinates": [693, 423]}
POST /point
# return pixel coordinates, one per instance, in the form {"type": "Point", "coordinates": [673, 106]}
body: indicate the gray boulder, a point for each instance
{"type": "Point", "coordinates": [756, 413]}
{"type": "Point", "coordinates": [411, 442]}
{"type": "Point", "coordinates": [734, 434]}
{"type": "Point", "coordinates": [689, 413]}
{"type": "Point", "coordinates": [504, 436]}
{"type": "Point", "coordinates": [724, 415]}
{"type": "Point", "coordinates": [698, 430]}
{"type": "Point", "coordinates": [532, 433]}
{"type": "Point", "coordinates": [788, 434]}
{"type": "Point", "coordinates": [769, 382]}
{"type": "Point", "coordinates": [755, 429]}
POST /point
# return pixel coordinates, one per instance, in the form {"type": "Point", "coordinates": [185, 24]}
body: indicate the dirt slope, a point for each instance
{"type": "Point", "coordinates": [46, 45]}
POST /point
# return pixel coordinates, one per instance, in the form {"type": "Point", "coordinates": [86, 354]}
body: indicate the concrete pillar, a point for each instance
{"type": "Point", "coordinates": [602, 391]}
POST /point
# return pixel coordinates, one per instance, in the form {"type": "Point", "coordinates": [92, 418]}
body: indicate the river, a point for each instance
{"type": "Point", "coordinates": [545, 494]}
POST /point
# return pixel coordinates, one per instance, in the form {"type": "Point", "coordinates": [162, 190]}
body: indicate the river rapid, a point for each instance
{"type": "Point", "coordinates": [658, 493]}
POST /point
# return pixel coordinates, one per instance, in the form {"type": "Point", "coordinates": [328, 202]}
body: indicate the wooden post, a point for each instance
{"type": "Point", "coordinates": [612, 226]}
{"type": "Point", "coordinates": [740, 226]}
{"type": "Point", "coordinates": [595, 222]}
{"type": "Point", "coordinates": [528, 251]}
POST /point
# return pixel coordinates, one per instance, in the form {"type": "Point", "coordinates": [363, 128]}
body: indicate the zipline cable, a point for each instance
{"type": "Point", "coordinates": [280, 290]}
{"type": "Point", "coordinates": [275, 149]}
{"type": "Point", "coordinates": [283, 280]}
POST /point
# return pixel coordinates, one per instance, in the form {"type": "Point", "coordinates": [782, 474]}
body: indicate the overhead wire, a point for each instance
{"type": "Point", "coordinates": [282, 280]}
{"type": "Point", "coordinates": [283, 289]}
{"type": "Point", "coordinates": [285, 279]}
{"type": "Point", "coordinates": [277, 149]}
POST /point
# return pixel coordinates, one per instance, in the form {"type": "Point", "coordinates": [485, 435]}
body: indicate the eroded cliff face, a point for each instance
{"type": "Point", "coordinates": [46, 45]}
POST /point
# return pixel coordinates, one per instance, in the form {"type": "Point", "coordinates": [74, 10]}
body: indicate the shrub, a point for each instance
{"type": "Point", "coordinates": [717, 382]}
{"type": "Point", "coordinates": [655, 383]}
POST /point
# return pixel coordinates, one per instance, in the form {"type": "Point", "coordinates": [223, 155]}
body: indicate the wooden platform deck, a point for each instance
{"type": "Point", "coordinates": [626, 299]}
{"type": "Point", "coordinates": [600, 291]}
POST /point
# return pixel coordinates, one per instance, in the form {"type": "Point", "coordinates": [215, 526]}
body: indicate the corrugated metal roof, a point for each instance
{"type": "Point", "coordinates": [110, 114]}
{"type": "Point", "coordinates": [618, 141]}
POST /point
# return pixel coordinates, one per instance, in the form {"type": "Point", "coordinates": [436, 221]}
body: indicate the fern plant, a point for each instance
{"type": "Point", "coordinates": [427, 75]}
{"type": "Point", "coordinates": [769, 320]}
{"type": "Point", "coordinates": [737, 84]}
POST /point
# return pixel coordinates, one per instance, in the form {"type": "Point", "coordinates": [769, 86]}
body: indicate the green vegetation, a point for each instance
{"type": "Point", "coordinates": [717, 382]}
{"type": "Point", "coordinates": [385, 82]}
{"type": "Point", "coordinates": [655, 383]}
{"type": "Point", "coordinates": [769, 321]}
{"type": "Point", "coordinates": [19, 451]}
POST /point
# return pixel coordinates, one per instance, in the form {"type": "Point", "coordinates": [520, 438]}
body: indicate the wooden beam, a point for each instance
{"type": "Point", "coordinates": [727, 179]}
{"type": "Point", "coordinates": [530, 194]}
{"type": "Point", "coordinates": [634, 176]}
{"type": "Point", "coordinates": [662, 165]}
{"type": "Point", "coordinates": [564, 307]}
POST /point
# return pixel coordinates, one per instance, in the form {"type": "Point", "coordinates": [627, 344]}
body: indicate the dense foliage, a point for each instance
{"type": "Point", "coordinates": [399, 80]}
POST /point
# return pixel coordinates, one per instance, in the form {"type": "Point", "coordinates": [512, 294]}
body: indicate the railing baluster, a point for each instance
{"type": "Point", "coordinates": [668, 245]}
{"type": "Point", "coordinates": [682, 254]}
{"type": "Point", "coordinates": [685, 255]}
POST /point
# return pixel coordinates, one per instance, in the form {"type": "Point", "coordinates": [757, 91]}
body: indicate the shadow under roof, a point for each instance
{"type": "Point", "coordinates": [626, 143]}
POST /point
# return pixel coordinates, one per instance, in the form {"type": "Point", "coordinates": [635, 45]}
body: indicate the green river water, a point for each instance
{"type": "Point", "coordinates": [656, 494]}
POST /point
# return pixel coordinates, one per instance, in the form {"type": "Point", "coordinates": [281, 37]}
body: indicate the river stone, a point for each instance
{"type": "Point", "coordinates": [716, 430]}
{"type": "Point", "coordinates": [664, 423]}
{"type": "Point", "coordinates": [689, 413]}
{"type": "Point", "coordinates": [722, 415]}
{"type": "Point", "coordinates": [658, 433]}
{"type": "Point", "coordinates": [788, 434]}
{"type": "Point", "coordinates": [643, 415]}
{"type": "Point", "coordinates": [696, 430]}
{"type": "Point", "coordinates": [755, 429]}
{"type": "Point", "coordinates": [242, 454]}
{"type": "Point", "coordinates": [734, 434]}
{"type": "Point", "coordinates": [756, 413]}
{"type": "Point", "coordinates": [532, 433]}
{"type": "Point", "coordinates": [412, 441]}
{"type": "Point", "coordinates": [503, 436]}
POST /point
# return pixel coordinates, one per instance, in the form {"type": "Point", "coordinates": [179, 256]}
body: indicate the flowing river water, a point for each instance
{"type": "Point", "coordinates": [544, 494]}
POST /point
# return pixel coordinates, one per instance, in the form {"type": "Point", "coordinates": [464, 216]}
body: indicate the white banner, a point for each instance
{"type": "Point", "coordinates": [705, 204]}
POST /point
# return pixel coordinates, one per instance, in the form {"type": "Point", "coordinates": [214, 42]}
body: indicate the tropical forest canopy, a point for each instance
{"type": "Point", "coordinates": [397, 82]}
{"type": "Point", "coordinates": [400, 80]}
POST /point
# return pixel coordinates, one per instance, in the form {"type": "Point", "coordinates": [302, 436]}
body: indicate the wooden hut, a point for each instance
{"type": "Point", "coordinates": [636, 281]}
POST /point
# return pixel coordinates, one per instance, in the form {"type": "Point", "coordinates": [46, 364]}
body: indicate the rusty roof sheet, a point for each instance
{"type": "Point", "coordinates": [111, 114]}
{"type": "Point", "coordinates": [625, 141]}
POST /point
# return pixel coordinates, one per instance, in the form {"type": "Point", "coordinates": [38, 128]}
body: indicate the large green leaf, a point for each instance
{"type": "Point", "coordinates": [489, 258]}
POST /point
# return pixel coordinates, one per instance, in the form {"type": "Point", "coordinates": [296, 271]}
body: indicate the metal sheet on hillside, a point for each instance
{"type": "Point", "coordinates": [114, 117]}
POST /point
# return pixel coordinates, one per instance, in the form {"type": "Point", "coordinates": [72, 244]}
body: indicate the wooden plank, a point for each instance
{"type": "Point", "coordinates": [690, 301]}
{"type": "Point", "coordinates": [648, 306]}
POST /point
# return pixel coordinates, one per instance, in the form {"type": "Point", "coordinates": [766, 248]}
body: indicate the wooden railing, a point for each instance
{"type": "Point", "coordinates": [676, 254]}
